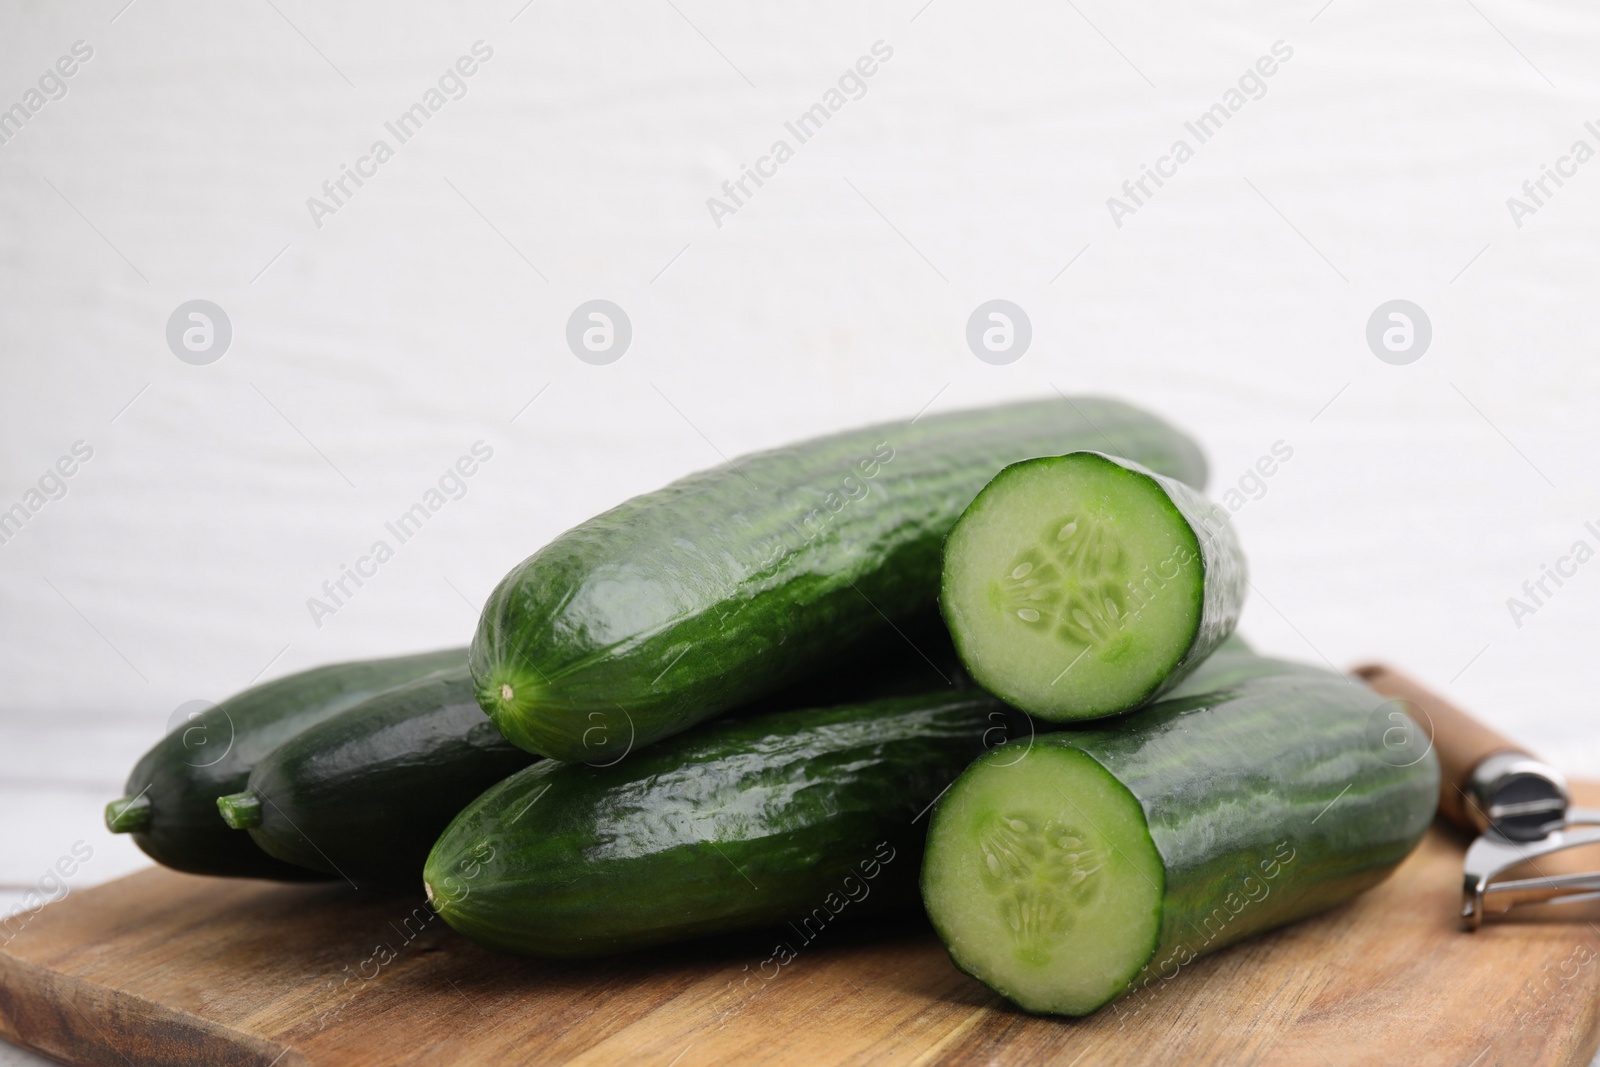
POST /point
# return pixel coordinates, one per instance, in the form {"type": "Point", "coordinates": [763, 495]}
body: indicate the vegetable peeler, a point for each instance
{"type": "Point", "coordinates": [1518, 805]}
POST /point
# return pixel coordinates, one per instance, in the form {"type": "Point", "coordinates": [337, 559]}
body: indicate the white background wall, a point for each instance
{"type": "Point", "coordinates": [370, 352]}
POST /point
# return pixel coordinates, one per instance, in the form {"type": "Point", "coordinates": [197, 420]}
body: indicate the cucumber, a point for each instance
{"type": "Point", "coordinates": [1081, 586]}
{"type": "Point", "coordinates": [915, 658]}
{"type": "Point", "coordinates": [684, 602]}
{"type": "Point", "coordinates": [801, 815]}
{"type": "Point", "coordinates": [363, 795]}
{"type": "Point", "coordinates": [170, 805]}
{"type": "Point", "coordinates": [1096, 863]}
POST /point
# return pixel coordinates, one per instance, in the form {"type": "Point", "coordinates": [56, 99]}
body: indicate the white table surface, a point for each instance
{"type": "Point", "coordinates": [425, 314]}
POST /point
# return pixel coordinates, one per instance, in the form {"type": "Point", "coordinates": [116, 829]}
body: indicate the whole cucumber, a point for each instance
{"type": "Point", "coordinates": [170, 805]}
{"type": "Point", "coordinates": [800, 815]}
{"type": "Point", "coordinates": [679, 604]}
{"type": "Point", "coordinates": [362, 795]}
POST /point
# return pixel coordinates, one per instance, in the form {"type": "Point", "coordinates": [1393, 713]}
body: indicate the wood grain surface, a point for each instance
{"type": "Point", "coordinates": [164, 968]}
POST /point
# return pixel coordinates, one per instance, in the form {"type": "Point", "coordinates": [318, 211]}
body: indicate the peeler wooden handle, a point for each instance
{"type": "Point", "coordinates": [1462, 742]}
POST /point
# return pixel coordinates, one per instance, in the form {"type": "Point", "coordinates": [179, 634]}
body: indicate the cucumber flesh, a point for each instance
{"type": "Point", "coordinates": [1080, 586]}
{"type": "Point", "coordinates": [1059, 905]}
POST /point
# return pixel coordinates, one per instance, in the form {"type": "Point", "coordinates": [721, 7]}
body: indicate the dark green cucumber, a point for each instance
{"type": "Point", "coordinates": [914, 659]}
{"type": "Point", "coordinates": [682, 603]}
{"type": "Point", "coordinates": [800, 815]}
{"type": "Point", "coordinates": [1083, 585]}
{"type": "Point", "coordinates": [363, 795]}
{"type": "Point", "coordinates": [1096, 863]}
{"type": "Point", "coordinates": [170, 805]}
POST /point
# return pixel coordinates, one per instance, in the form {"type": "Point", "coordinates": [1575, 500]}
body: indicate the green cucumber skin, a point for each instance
{"type": "Point", "coordinates": [740, 824]}
{"type": "Point", "coordinates": [915, 659]}
{"type": "Point", "coordinates": [684, 602]}
{"type": "Point", "coordinates": [1260, 772]}
{"type": "Point", "coordinates": [1233, 663]}
{"type": "Point", "coordinates": [185, 832]}
{"type": "Point", "coordinates": [363, 795]}
{"type": "Point", "coordinates": [1264, 762]}
{"type": "Point", "coordinates": [1222, 565]}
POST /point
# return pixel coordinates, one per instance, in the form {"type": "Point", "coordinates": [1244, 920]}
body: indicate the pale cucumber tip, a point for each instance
{"type": "Point", "coordinates": [128, 815]}
{"type": "Point", "coordinates": [240, 810]}
{"type": "Point", "coordinates": [509, 696]}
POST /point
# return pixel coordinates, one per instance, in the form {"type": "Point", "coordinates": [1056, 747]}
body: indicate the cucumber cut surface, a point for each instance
{"type": "Point", "coordinates": [1081, 586]}
{"type": "Point", "coordinates": [1058, 904]}
{"type": "Point", "coordinates": [1091, 866]}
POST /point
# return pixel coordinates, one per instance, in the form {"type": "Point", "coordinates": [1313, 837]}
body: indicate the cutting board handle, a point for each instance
{"type": "Point", "coordinates": [1461, 741]}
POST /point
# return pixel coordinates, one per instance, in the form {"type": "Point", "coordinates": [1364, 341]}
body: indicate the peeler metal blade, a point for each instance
{"type": "Point", "coordinates": [1494, 853]}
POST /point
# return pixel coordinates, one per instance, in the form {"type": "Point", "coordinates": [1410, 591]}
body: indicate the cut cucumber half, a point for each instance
{"type": "Point", "coordinates": [723, 587]}
{"type": "Point", "coordinates": [1071, 869]}
{"type": "Point", "coordinates": [1080, 586]}
{"type": "Point", "coordinates": [1045, 886]}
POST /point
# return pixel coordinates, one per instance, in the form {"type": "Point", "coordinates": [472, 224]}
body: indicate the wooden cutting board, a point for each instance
{"type": "Point", "coordinates": [163, 968]}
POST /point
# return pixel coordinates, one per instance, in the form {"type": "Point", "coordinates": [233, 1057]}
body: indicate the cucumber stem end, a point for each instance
{"type": "Point", "coordinates": [128, 815]}
{"type": "Point", "coordinates": [241, 811]}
